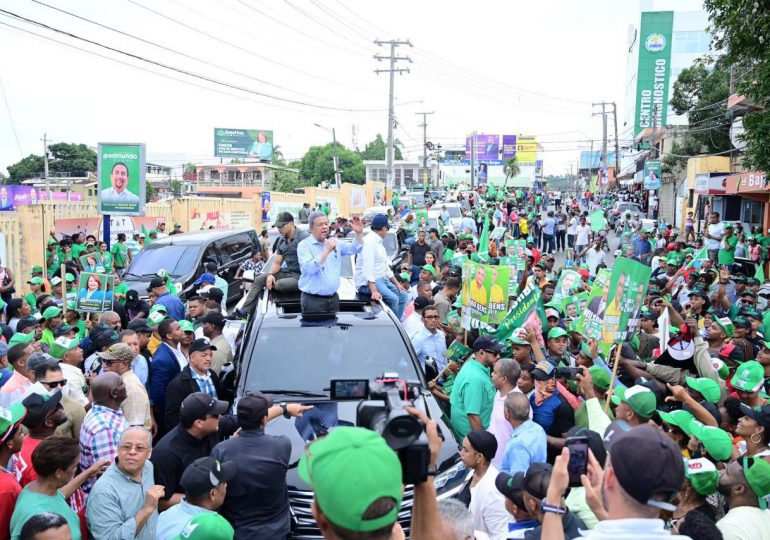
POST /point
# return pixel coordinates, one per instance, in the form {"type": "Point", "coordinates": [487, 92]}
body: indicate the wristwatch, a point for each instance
{"type": "Point", "coordinates": [285, 406]}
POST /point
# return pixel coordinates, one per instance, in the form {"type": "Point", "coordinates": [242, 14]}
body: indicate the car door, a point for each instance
{"type": "Point", "coordinates": [233, 250]}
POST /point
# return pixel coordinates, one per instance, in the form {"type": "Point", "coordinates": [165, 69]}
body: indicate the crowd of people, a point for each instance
{"type": "Point", "coordinates": [127, 426]}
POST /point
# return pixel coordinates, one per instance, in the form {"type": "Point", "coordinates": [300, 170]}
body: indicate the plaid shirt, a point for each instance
{"type": "Point", "coordinates": [205, 382]}
{"type": "Point", "coordinates": [99, 437]}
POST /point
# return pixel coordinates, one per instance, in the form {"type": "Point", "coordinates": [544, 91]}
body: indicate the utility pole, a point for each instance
{"type": "Point", "coordinates": [392, 70]}
{"type": "Point", "coordinates": [45, 165]}
{"type": "Point", "coordinates": [473, 159]}
{"type": "Point", "coordinates": [336, 161]}
{"type": "Point", "coordinates": [617, 143]}
{"type": "Point", "coordinates": [604, 137]}
{"type": "Point", "coordinates": [424, 127]}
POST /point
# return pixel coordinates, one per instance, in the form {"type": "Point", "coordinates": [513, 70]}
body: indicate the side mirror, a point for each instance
{"type": "Point", "coordinates": [431, 368]}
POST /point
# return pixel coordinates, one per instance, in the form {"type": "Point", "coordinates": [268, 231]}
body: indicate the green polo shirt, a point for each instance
{"type": "Point", "coordinates": [726, 256]}
{"type": "Point", "coordinates": [120, 254]}
{"type": "Point", "coordinates": [472, 393]}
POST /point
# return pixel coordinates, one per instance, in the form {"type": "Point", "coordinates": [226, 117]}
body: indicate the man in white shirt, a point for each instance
{"type": "Point", "coordinates": [745, 483]}
{"type": "Point", "coordinates": [594, 256]}
{"type": "Point", "coordinates": [413, 324]}
{"type": "Point", "coordinates": [505, 375]}
{"type": "Point", "coordinates": [582, 234]}
{"type": "Point", "coordinates": [430, 341]}
{"type": "Point", "coordinates": [713, 235]}
{"type": "Point", "coordinates": [373, 273]}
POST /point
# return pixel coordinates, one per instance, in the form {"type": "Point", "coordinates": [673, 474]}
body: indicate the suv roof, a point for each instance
{"type": "Point", "coordinates": [198, 237]}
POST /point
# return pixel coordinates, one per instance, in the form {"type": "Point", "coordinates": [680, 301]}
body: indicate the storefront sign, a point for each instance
{"type": "Point", "coordinates": [748, 182]}
{"type": "Point", "coordinates": [654, 70]}
{"type": "Point", "coordinates": [705, 184]}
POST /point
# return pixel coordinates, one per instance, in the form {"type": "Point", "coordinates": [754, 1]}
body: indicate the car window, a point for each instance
{"type": "Point", "coordinates": [234, 247]}
{"type": "Point", "coordinates": [210, 254]}
{"type": "Point", "coordinates": [177, 260]}
{"type": "Point", "coordinates": [391, 243]}
{"type": "Point", "coordinates": [454, 211]}
{"type": "Point", "coordinates": [338, 351]}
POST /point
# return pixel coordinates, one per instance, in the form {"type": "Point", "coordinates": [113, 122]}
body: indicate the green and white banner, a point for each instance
{"type": "Point", "coordinates": [654, 70]}
{"type": "Point", "coordinates": [121, 171]}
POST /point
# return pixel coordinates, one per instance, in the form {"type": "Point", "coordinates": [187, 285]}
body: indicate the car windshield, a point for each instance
{"type": "Point", "coordinates": [453, 211]}
{"type": "Point", "coordinates": [177, 260]}
{"type": "Point", "coordinates": [628, 206]}
{"type": "Point", "coordinates": [318, 354]}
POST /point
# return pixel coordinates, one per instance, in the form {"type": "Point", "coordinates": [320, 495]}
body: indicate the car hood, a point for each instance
{"type": "Point", "coordinates": [328, 414]}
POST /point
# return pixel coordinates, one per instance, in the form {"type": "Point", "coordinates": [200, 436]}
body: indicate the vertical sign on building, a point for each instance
{"type": "Point", "coordinates": [654, 70]}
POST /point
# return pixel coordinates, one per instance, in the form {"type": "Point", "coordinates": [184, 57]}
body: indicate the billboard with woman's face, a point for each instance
{"type": "Point", "coordinates": [243, 143]}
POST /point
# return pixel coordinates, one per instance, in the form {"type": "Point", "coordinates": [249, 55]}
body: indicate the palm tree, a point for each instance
{"type": "Point", "coordinates": [511, 169]}
{"type": "Point", "coordinates": [278, 155]}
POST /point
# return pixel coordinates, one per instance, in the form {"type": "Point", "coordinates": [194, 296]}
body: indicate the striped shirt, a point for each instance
{"type": "Point", "coordinates": [205, 383]}
{"type": "Point", "coordinates": [99, 437]}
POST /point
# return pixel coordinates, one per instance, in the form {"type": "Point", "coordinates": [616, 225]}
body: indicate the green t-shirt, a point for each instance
{"type": "Point", "coordinates": [107, 261]}
{"type": "Point", "coordinates": [31, 298]}
{"type": "Point", "coordinates": [121, 289]}
{"type": "Point", "coordinates": [30, 503]}
{"type": "Point", "coordinates": [727, 256]}
{"type": "Point", "coordinates": [538, 199]}
{"type": "Point", "coordinates": [120, 254]}
{"type": "Point", "coordinates": [78, 250]}
{"type": "Point", "coordinates": [47, 337]}
{"type": "Point", "coordinates": [472, 393]}
{"type": "Point", "coordinates": [81, 326]}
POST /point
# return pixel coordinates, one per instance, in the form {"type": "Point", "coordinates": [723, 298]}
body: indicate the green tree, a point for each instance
{"type": "Point", "coordinates": [317, 165]}
{"type": "Point", "coordinates": [278, 158]}
{"type": "Point", "coordinates": [74, 159]}
{"type": "Point", "coordinates": [700, 92]}
{"type": "Point", "coordinates": [149, 192]}
{"type": "Point", "coordinates": [188, 168]}
{"type": "Point", "coordinates": [741, 29]}
{"type": "Point", "coordinates": [176, 187]}
{"type": "Point", "coordinates": [511, 169]}
{"type": "Point", "coordinates": [376, 149]}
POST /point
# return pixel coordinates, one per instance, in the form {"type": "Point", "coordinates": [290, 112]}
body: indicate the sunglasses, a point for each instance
{"type": "Point", "coordinates": [432, 317]}
{"type": "Point", "coordinates": [54, 384]}
{"type": "Point", "coordinates": [493, 353]}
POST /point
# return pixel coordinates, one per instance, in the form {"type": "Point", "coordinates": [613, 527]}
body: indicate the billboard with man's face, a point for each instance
{"type": "Point", "coordinates": [121, 169]}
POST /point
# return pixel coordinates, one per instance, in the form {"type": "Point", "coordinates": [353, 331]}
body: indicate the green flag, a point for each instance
{"type": "Point", "coordinates": [483, 252]}
{"type": "Point", "coordinates": [598, 223]}
{"type": "Point", "coordinates": [520, 311]}
{"type": "Point", "coordinates": [146, 234]}
{"type": "Point", "coordinates": [698, 257]}
{"type": "Point", "coordinates": [760, 273]}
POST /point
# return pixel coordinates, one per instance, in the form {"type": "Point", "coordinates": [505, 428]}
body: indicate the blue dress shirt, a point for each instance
{"type": "Point", "coordinates": [527, 445]}
{"type": "Point", "coordinates": [322, 279]}
{"type": "Point", "coordinates": [427, 344]}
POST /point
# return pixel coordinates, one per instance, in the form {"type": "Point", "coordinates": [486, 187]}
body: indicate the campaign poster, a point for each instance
{"type": "Point", "coordinates": [92, 262]}
{"type": "Point", "coordinates": [590, 321]}
{"type": "Point", "coordinates": [121, 171]}
{"type": "Point", "coordinates": [457, 352]}
{"type": "Point", "coordinates": [12, 196]}
{"type": "Point", "coordinates": [265, 207]}
{"type": "Point", "coordinates": [95, 292]}
{"type": "Point", "coordinates": [526, 312]}
{"type": "Point", "coordinates": [568, 284]}
{"type": "Point", "coordinates": [597, 221]}
{"type": "Point", "coordinates": [243, 143]}
{"type": "Point", "coordinates": [421, 216]}
{"type": "Point", "coordinates": [509, 146]}
{"type": "Point", "coordinates": [652, 171]}
{"type": "Point", "coordinates": [201, 220]}
{"type": "Point", "coordinates": [485, 292]}
{"type": "Point", "coordinates": [627, 287]}
{"type": "Point", "coordinates": [573, 306]}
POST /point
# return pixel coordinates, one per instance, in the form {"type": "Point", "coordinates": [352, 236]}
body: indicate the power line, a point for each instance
{"type": "Point", "coordinates": [183, 71]}
{"type": "Point", "coordinates": [10, 118]}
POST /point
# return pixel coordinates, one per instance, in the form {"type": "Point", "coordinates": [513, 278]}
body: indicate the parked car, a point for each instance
{"type": "Point", "coordinates": [621, 208]}
{"type": "Point", "coordinates": [292, 360]}
{"type": "Point", "coordinates": [184, 255]}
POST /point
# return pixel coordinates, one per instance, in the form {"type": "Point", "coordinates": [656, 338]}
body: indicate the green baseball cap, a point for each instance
{"type": "Point", "coordinates": [757, 472]}
{"type": "Point", "coordinates": [51, 242]}
{"type": "Point", "coordinates": [186, 326]}
{"type": "Point", "coordinates": [69, 277]}
{"type": "Point", "coordinates": [726, 324]}
{"type": "Point", "coordinates": [516, 337]}
{"type": "Point", "coordinates": [152, 231]}
{"type": "Point", "coordinates": [61, 345]}
{"type": "Point", "coordinates": [703, 476]}
{"type": "Point", "coordinates": [428, 268]}
{"type": "Point", "coordinates": [18, 337]}
{"type": "Point", "coordinates": [156, 318]}
{"type": "Point", "coordinates": [206, 526]}
{"type": "Point", "coordinates": [556, 332]}
{"type": "Point", "coordinates": [721, 368]}
{"type": "Point", "coordinates": [36, 281]}
{"type": "Point", "coordinates": [159, 307]}
{"type": "Point", "coordinates": [36, 269]}
{"type": "Point", "coordinates": [349, 469]}
{"type": "Point", "coordinates": [406, 276]}
{"type": "Point", "coordinates": [749, 377]}
{"type": "Point", "coordinates": [573, 326]}
{"type": "Point", "coordinates": [51, 312]}
{"type": "Point", "coordinates": [707, 387]}
{"type": "Point", "coordinates": [716, 441]}
{"type": "Point", "coordinates": [10, 417]}
{"type": "Point", "coordinates": [640, 398]}
{"type": "Point", "coordinates": [679, 418]}
{"type": "Point", "coordinates": [600, 376]}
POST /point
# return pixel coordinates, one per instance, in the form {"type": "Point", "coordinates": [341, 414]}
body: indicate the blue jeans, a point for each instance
{"type": "Point", "coordinates": [394, 297]}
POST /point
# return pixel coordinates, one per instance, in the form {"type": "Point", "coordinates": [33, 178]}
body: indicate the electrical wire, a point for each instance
{"type": "Point", "coordinates": [183, 71]}
{"type": "Point", "coordinates": [10, 118]}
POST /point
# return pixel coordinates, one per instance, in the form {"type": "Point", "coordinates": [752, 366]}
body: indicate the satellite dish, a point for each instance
{"type": "Point", "coordinates": [736, 129]}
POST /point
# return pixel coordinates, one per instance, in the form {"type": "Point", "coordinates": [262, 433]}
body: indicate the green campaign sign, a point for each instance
{"type": "Point", "coordinates": [243, 143]}
{"type": "Point", "coordinates": [95, 292]}
{"type": "Point", "coordinates": [121, 169]}
{"type": "Point", "coordinates": [573, 306]}
{"type": "Point", "coordinates": [569, 282]}
{"type": "Point", "coordinates": [526, 305]}
{"type": "Point", "coordinates": [457, 352]}
{"type": "Point", "coordinates": [485, 292]}
{"type": "Point", "coordinates": [590, 322]}
{"type": "Point", "coordinates": [597, 221]}
{"type": "Point", "coordinates": [654, 70]}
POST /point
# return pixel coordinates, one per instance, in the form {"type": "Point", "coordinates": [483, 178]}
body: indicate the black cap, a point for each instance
{"type": "Point", "coordinates": [201, 344]}
{"type": "Point", "coordinates": [509, 485]}
{"type": "Point", "coordinates": [252, 407]}
{"type": "Point", "coordinates": [204, 474]}
{"type": "Point", "coordinates": [105, 338]}
{"type": "Point", "coordinates": [132, 295]}
{"type": "Point", "coordinates": [217, 319]}
{"type": "Point", "coordinates": [214, 294]}
{"type": "Point", "coordinates": [712, 409]}
{"type": "Point", "coordinates": [198, 404]}
{"type": "Point", "coordinates": [39, 407]}
{"type": "Point", "coordinates": [537, 479]}
{"type": "Point", "coordinates": [62, 329]}
{"type": "Point", "coordinates": [26, 322]}
{"type": "Point", "coordinates": [97, 329]}
{"type": "Point", "coordinates": [421, 303]}
{"type": "Point", "coordinates": [140, 325]}
{"type": "Point", "coordinates": [282, 219]}
{"type": "Point", "coordinates": [156, 282]}
{"type": "Point", "coordinates": [487, 342]}
{"type": "Point", "coordinates": [647, 464]}
{"type": "Point", "coordinates": [761, 415]}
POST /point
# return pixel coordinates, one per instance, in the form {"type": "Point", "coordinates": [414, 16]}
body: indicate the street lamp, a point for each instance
{"type": "Point", "coordinates": [334, 147]}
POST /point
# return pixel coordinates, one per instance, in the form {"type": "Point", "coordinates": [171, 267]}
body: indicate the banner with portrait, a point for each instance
{"type": "Point", "coordinates": [485, 292]}
{"type": "Point", "coordinates": [92, 262]}
{"type": "Point", "coordinates": [568, 284]}
{"type": "Point", "coordinates": [95, 292]}
{"type": "Point", "coordinates": [121, 171]}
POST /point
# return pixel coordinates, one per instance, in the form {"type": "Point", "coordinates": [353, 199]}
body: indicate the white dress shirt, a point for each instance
{"type": "Point", "coordinates": [373, 262]}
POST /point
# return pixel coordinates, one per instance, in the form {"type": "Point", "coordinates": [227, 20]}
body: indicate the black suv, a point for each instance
{"type": "Point", "coordinates": [184, 255]}
{"type": "Point", "coordinates": [294, 360]}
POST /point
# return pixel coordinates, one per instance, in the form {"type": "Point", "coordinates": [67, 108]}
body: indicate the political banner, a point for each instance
{"type": "Point", "coordinates": [457, 352]}
{"type": "Point", "coordinates": [485, 292]}
{"type": "Point", "coordinates": [121, 171]}
{"type": "Point", "coordinates": [92, 262]}
{"type": "Point", "coordinates": [627, 287]}
{"type": "Point", "coordinates": [243, 143]}
{"type": "Point", "coordinates": [526, 149]}
{"type": "Point", "coordinates": [597, 220]}
{"type": "Point", "coordinates": [509, 146]}
{"type": "Point", "coordinates": [217, 219]}
{"type": "Point", "coordinates": [573, 306]}
{"type": "Point", "coordinates": [265, 207]}
{"type": "Point", "coordinates": [487, 147]}
{"type": "Point", "coordinates": [95, 292]}
{"type": "Point", "coordinates": [11, 197]}
{"type": "Point", "coordinates": [589, 323]}
{"type": "Point", "coordinates": [568, 284]}
{"type": "Point", "coordinates": [652, 172]}
{"type": "Point", "coordinates": [526, 311]}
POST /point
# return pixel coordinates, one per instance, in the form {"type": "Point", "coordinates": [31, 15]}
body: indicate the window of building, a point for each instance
{"type": "Point", "coordinates": [751, 212]}
{"type": "Point", "coordinates": [691, 42]}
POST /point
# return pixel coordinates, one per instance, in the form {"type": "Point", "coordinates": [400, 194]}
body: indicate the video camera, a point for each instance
{"type": "Point", "coordinates": [382, 409]}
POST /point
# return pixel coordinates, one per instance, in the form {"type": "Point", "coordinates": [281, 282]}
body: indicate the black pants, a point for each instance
{"type": "Point", "coordinates": [285, 282]}
{"type": "Point", "coordinates": [560, 244]}
{"type": "Point", "coordinates": [313, 304]}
